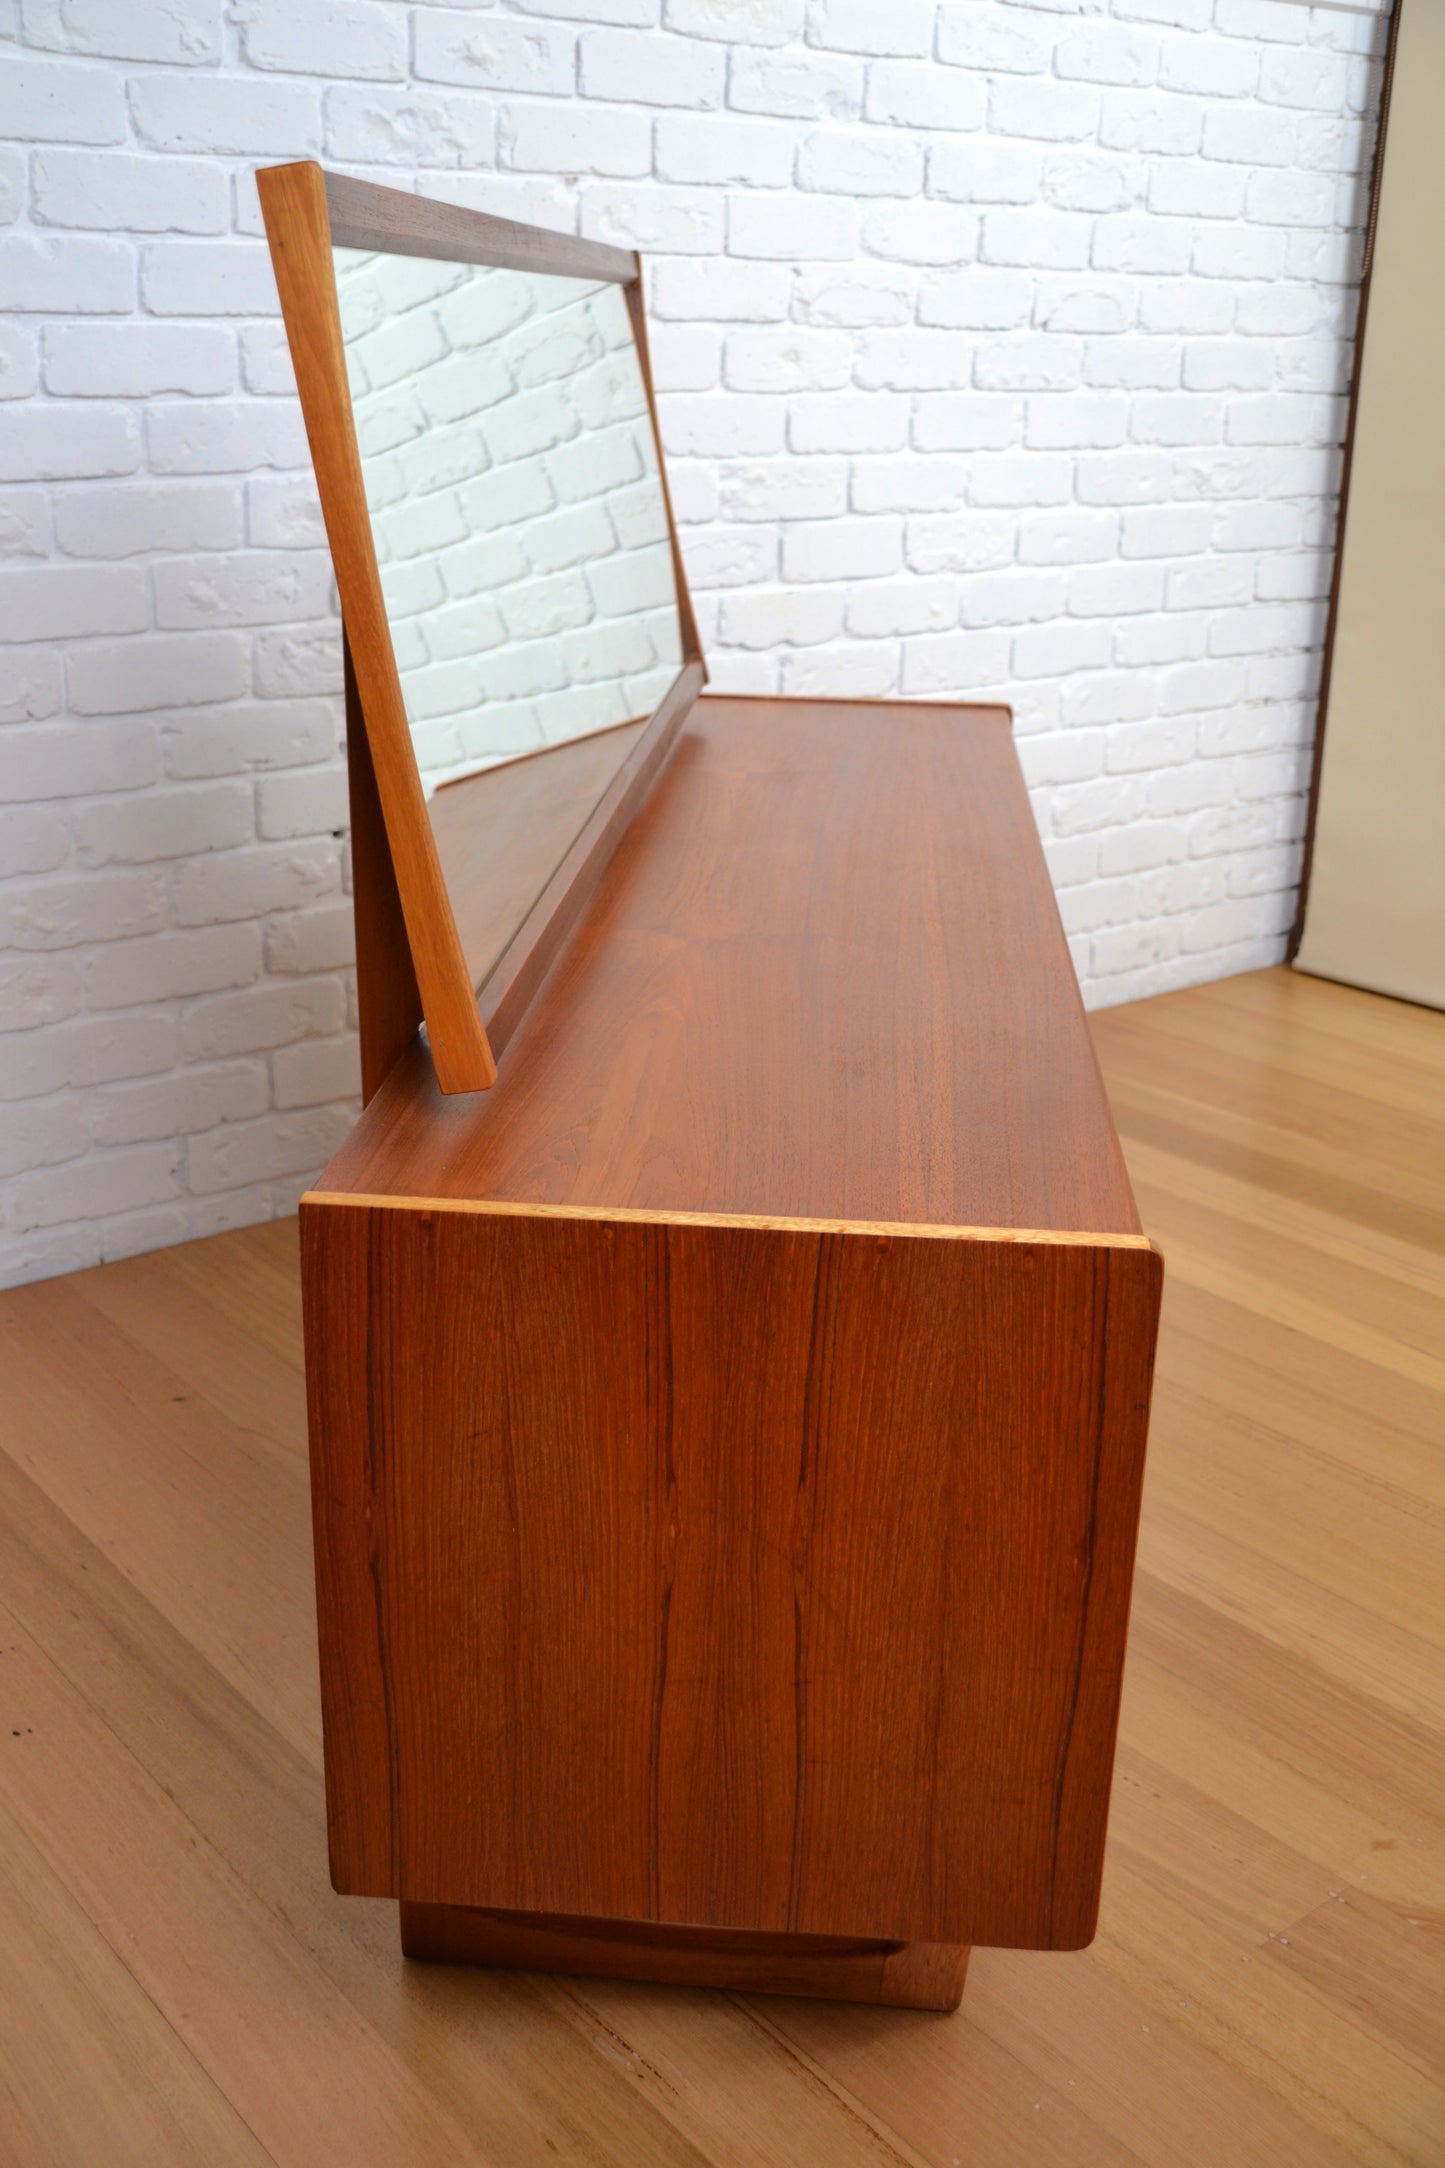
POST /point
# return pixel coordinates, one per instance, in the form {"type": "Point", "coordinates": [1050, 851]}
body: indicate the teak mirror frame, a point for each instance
{"type": "Point", "coordinates": [410, 961]}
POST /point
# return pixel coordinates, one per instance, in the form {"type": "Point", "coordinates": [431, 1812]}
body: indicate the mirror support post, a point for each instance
{"type": "Point", "coordinates": [388, 999]}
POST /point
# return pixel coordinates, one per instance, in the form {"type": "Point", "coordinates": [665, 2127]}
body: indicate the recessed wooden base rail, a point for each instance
{"type": "Point", "coordinates": [837, 1968]}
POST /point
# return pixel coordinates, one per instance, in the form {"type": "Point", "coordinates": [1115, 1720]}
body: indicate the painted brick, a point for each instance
{"type": "Point", "coordinates": [136, 361]}
{"type": "Point", "coordinates": [846, 422]}
{"type": "Point", "coordinates": [723, 152]}
{"type": "Point", "coordinates": [108, 523]}
{"type": "Point", "coordinates": [19, 367]}
{"type": "Point", "coordinates": [410, 127]}
{"type": "Point", "coordinates": [231, 437]}
{"type": "Point", "coordinates": [860, 163]}
{"type": "Point", "coordinates": [290, 1143]}
{"type": "Point", "coordinates": [788, 358]}
{"type": "Point", "coordinates": [759, 22]}
{"type": "Point", "coordinates": [784, 489]}
{"type": "Point", "coordinates": [239, 118]}
{"type": "Point", "coordinates": [1317, 81]}
{"type": "Point", "coordinates": [1244, 135]}
{"type": "Point", "coordinates": [110, 190]}
{"type": "Point", "coordinates": [1153, 121]}
{"type": "Point", "coordinates": [685, 357]}
{"type": "Point", "coordinates": [1050, 240]}
{"type": "Point", "coordinates": [954, 662]}
{"type": "Point", "coordinates": [913, 361]}
{"type": "Point", "coordinates": [12, 185]}
{"type": "Point", "coordinates": [640, 66]}
{"type": "Point", "coordinates": [100, 1184]}
{"type": "Point", "coordinates": [1002, 390]}
{"type": "Point", "coordinates": [915, 94]}
{"type": "Point", "coordinates": [50, 602]}
{"type": "Point", "coordinates": [921, 233]}
{"type": "Point", "coordinates": [263, 1016]}
{"type": "Point", "coordinates": [159, 671]}
{"type": "Point", "coordinates": [150, 825]}
{"type": "Point", "coordinates": [245, 884]}
{"type": "Point", "coordinates": [52, 101]}
{"type": "Point", "coordinates": [688, 221]}
{"type": "Point", "coordinates": [317, 1072]}
{"type": "Point", "coordinates": [339, 37]}
{"type": "Point", "coordinates": [296, 659]}
{"type": "Point", "coordinates": [791, 618]}
{"type": "Point", "coordinates": [1214, 67]}
{"type": "Point", "coordinates": [795, 86]}
{"type": "Point", "coordinates": [269, 587]}
{"type": "Point", "coordinates": [266, 361]}
{"type": "Point", "coordinates": [981, 300]}
{"type": "Point", "coordinates": [724, 292]}
{"type": "Point", "coordinates": [181, 32]}
{"type": "Point", "coordinates": [1079, 181]}
{"type": "Point", "coordinates": [241, 735]}
{"type": "Point", "coordinates": [283, 512]}
{"type": "Point", "coordinates": [939, 543]}
{"type": "Point", "coordinates": [843, 549]}
{"type": "Point", "coordinates": [1049, 111]}
{"type": "Point", "coordinates": [320, 939]}
{"type": "Point", "coordinates": [53, 276]}
{"type": "Point", "coordinates": [66, 914]}
{"type": "Point", "coordinates": [498, 53]}
{"type": "Point", "coordinates": [309, 804]}
{"type": "Point", "coordinates": [1076, 422]}
{"type": "Point", "coordinates": [1192, 189]}
{"type": "Point", "coordinates": [207, 278]}
{"type": "Point", "coordinates": [860, 26]}
{"type": "Point", "coordinates": [24, 523]}
{"type": "Point", "coordinates": [799, 228]}
{"type": "Point", "coordinates": [1102, 52]}
{"type": "Point", "coordinates": [884, 608]}
{"type": "Point", "coordinates": [541, 138]}
{"type": "Point", "coordinates": [1235, 252]}
{"type": "Point", "coordinates": [989, 38]}
{"type": "Point", "coordinates": [985, 172]}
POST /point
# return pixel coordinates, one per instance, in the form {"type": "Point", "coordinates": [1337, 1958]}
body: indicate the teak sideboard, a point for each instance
{"type": "Point", "coordinates": [727, 1430]}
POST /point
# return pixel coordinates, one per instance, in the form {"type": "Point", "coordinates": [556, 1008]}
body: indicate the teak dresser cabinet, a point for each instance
{"type": "Point", "coordinates": [729, 1328]}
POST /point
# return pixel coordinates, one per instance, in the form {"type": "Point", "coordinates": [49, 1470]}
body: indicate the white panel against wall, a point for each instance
{"type": "Point", "coordinates": [1000, 350]}
{"type": "Point", "coordinates": [1375, 912]}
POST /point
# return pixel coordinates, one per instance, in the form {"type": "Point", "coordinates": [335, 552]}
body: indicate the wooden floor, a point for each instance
{"type": "Point", "coordinates": [178, 1984]}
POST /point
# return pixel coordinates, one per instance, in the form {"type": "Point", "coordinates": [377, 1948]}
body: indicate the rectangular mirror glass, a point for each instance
{"type": "Point", "coordinates": [512, 477]}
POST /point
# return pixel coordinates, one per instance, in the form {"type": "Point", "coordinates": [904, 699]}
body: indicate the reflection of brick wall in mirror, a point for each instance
{"type": "Point", "coordinates": [516, 503]}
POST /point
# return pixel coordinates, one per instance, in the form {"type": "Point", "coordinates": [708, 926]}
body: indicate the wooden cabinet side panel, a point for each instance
{"type": "Point", "coordinates": [337, 1300]}
{"type": "Point", "coordinates": [725, 1576]}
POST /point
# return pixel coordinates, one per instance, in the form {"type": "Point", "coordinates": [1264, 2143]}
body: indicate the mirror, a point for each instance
{"type": "Point", "coordinates": [521, 531]}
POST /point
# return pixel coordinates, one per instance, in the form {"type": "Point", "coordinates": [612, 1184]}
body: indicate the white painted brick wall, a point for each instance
{"type": "Point", "coordinates": [1001, 347]}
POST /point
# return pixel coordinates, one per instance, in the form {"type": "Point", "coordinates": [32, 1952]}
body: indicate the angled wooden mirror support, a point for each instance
{"type": "Point", "coordinates": [400, 878]}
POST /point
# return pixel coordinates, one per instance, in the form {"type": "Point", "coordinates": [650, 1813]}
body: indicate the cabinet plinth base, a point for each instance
{"type": "Point", "coordinates": [906, 1975]}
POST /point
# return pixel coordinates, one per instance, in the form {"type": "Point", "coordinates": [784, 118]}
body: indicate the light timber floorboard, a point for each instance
{"type": "Point", "coordinates": [178, 1984]}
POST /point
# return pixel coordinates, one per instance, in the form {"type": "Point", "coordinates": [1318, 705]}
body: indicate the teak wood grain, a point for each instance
{"type": "Point", "coordinates": [720, 1576]}
{"type": "Point", "coordinates": [389, 1010]}
{"type": "Point", "coordinates": [726, 1443]}
{"type": "Point", "coordinates": [823, 977]}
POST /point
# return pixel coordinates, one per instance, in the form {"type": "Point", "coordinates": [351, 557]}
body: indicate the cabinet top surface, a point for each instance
{"type": "Point", "coordinates": [823, 978]}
